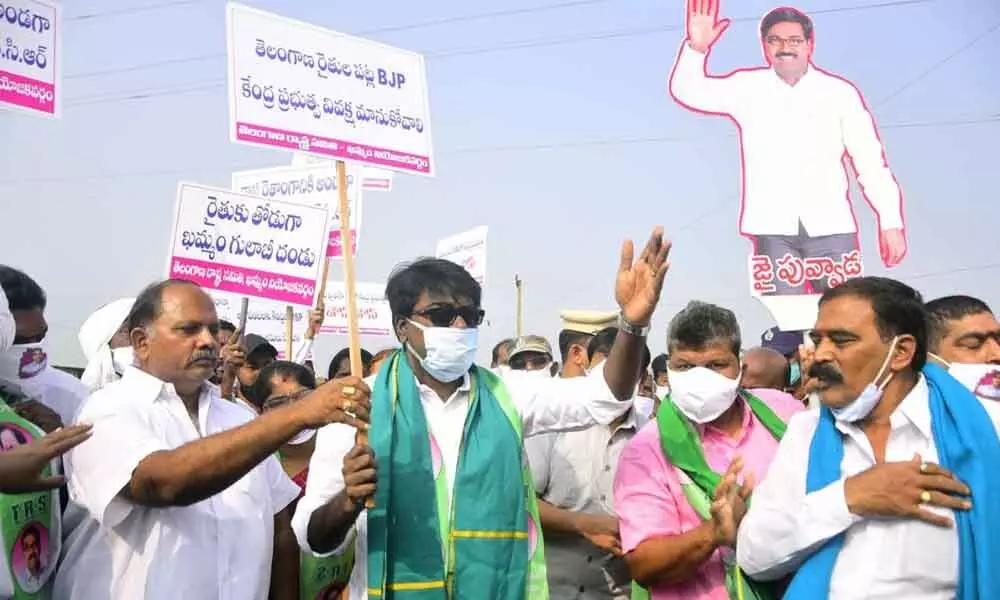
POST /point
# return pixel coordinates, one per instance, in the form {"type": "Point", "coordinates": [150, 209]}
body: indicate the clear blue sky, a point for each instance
{"type": "Point", "coordinates": [552, 126]}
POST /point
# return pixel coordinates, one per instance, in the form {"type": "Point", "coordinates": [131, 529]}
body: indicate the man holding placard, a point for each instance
{"type": "Point", "coordinates": [475, 424]}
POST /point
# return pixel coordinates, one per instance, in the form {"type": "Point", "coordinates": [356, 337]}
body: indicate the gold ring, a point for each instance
{"type": "Point", "coordinates": [923, 467]}
{"type": "Point", "coordinates": [347, 405]}
{"type": "Point", "coordinates": [925, 497]}
{"type": "Point", "coordinates": [348, 390]}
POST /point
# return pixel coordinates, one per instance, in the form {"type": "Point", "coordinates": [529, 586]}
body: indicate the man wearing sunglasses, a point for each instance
{"type": "Point", "coordinates": [460, 507]}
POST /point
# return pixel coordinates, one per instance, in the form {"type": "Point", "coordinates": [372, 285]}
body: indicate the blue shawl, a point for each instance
{"type": "Point", "coordinates": [968, 446]}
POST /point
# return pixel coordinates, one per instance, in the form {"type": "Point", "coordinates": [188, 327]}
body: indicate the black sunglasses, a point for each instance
{"type": "Point", "coordinates": [445, 315]}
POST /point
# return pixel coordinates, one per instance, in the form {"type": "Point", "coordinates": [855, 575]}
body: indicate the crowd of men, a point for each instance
{"type": "Point", "coordinates": [197, 465]}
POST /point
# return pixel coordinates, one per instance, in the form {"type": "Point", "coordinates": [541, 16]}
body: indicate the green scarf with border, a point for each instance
{"type": "Point", "coordinates": [481, 543]}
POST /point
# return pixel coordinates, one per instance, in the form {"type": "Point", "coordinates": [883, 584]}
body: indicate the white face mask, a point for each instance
{"type": "Point", "coordinates": [702, 394]}
{"type": "Point", "coordinates": [302, 437]}
{"type": "Point", "coordinates": [643, 406]}
{"type": "Point", "coordinates": [24, 361]}
{"type": "Point", "coordinates": [450, 351]}
{"type": "Point", "coordinates": [662, 390]}
{"type": "Point", "coordinates": [122, 358]}
{"type": "Point", "coordinates": [868, 400]}
{"type": "Point", "coordinates": [982, 379]}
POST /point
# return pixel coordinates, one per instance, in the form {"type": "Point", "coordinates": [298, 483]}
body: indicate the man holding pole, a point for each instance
{"type": "Point", "coordinates": [460, 527]}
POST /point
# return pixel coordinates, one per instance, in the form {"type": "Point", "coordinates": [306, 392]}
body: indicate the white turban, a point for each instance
{"type": "Point", "coordinates": [94, 336]}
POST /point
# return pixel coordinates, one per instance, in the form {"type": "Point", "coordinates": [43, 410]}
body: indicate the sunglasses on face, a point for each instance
{"type": "Point", "coordinates": [279, 401]}
{"type": "Point", "coordinates": [445, 315]}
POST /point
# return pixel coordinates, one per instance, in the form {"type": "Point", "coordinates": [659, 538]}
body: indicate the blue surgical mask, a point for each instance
{"type": "Point", "coordinates": [450, 351]}
{"type": "Point", "coordinates": [794, 373]}
{"type": "Point", "coordinates": [868, 400]}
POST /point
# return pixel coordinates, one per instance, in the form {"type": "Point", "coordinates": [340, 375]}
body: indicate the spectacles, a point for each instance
{"type": "Point", "coordinates": [278, 401]}
{"type": "Point", "coordinates": [794, 42]}
{"type": "Point", "coordinates": [445, 315]}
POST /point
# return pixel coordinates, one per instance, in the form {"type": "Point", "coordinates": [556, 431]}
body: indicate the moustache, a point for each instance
{"type": "Point", "coordinates": [826, 373]}
{"type": "Point", "coordinates": [207, 355]}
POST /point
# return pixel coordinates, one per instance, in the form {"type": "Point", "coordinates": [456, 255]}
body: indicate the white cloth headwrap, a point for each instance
{"type": "Point", "coordinates": [94, 336]}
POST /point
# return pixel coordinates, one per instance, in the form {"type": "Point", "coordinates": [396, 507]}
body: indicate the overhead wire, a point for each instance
{"type": "Point", "coordinates": [509, 46]}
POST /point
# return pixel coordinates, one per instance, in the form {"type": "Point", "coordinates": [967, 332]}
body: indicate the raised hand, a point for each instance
{"type": "Point", "coordinates": [21, 467]}
{"type": "Point", "coordinates": [233, 354]}
{"type": "Point", "coordinates": [703, 24]}
{"type": "Point", "coordinates": [638, 285]}
{"type": "Point", "coordinates": [316, 317]}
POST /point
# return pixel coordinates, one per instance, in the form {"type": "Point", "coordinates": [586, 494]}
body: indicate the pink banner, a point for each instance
{"type": "Point", "coordinates": [339, 149]}
{"type": "Point", "coordinates": [244, 282]}
{"type": "Point", "coordinates": [27, 93]}
{"type": "Point", "coordinates": [335, 247]}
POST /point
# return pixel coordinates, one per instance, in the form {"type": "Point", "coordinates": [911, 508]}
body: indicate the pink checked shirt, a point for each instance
{"type": "Point", "coordinates": [650, 503]}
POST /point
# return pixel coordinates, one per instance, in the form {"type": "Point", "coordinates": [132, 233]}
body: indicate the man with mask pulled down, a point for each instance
{"type": "Point", "coordinates": [964, 338]}
{"type": "Point", "coordinates": [711, 439]}
{"type": "Point", "coordinates": [454, 503]}
{"type": "Point", "coordinates": [24, 367]}
{"type": "Point", "coordinates": [889, 489]}
{"type": "Point", "coordinates": [105, 344]}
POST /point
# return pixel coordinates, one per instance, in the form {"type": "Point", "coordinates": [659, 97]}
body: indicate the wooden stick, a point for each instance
{"type": "Point", "coordinates": [244, 309]}
{"type": "Point", "coordinates": [347, 246]}
{"type": "Point", "coordinates": [322, 282]}
{"type": "Point", "coordinates": [289, 328]}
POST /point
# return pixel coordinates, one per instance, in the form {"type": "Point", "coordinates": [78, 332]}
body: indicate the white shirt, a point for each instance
{"type": "Point", "coordinates": [545, 405]}
{"type": "Point", "coordinates": [217, 549]}
{"type": "Point", "coordinates": [7, 325]}
{"type": "Point", "coordinates": [57, 390]}
{"type": "Point", "coordinates": [793, 140]}
{"type": "Point", "coordinates": [881, 558]}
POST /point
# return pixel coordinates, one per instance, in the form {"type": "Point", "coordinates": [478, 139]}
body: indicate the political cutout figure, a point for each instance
{"type": "Point", "coordinates": [800, 128]}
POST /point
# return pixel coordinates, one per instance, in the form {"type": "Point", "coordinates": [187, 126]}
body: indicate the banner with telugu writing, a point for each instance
{"type": "Point", "coordinates": [297, 86]}
{"type": "Point", "coordinates": [30, 63]}
{"type": "Point", "coordinates": [374, 315]}
{"type": "Point", "coordinates": [372, 179]}
{"type": "Point", "coordinates": [467, 249]}
{"type": "Point", "coordinates": [314, 185]}
{"type": "Point", "coordinates": [245, 245]}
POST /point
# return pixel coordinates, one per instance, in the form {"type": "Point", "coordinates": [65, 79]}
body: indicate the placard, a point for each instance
{"type": "Point", "coordinates": [314, 185]}
{"type": "Point", "coordinates": [372, 179]}
{"type": "Point", "coordinates": [30, 61]}
{"type": "Point", "coordinates": [266, 318]}
{"type": "Point", "coordinates": [467, 249]}
{"type": "Point", "coordinates": [374, 315]}
{"type": "Point", "coordinates": [297, 86]}
{"type": "Point", "coordinates": [270, 249]}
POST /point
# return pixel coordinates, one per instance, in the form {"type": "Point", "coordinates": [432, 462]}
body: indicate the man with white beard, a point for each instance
{"type": "Point", "coordinates": [24, 367]}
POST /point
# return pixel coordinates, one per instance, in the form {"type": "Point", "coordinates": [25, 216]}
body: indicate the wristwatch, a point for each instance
{"type": "Point", "coordinates": [636, 330]}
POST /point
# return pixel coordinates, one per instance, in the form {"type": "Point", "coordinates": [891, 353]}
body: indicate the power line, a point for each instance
{"type": "Point", "coordinates": [944, 60]}
{"type": "Point", "coordinates": [510, 12]}
{"type": "Point", "coordinates": [132, 10]}
{"type": "Point", "coordinates": [995, 118]}
{"type": "Point", "coordinates": [508, 47]}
